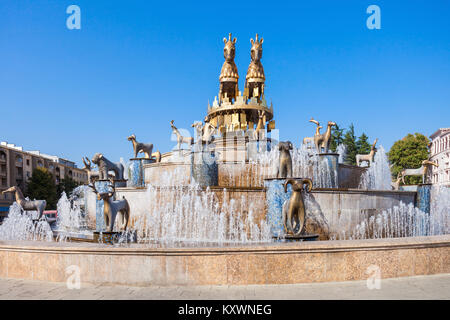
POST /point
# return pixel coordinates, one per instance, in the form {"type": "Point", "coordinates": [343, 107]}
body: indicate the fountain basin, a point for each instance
{"type": "Point", "coordinates": [343, 209]}
{"type": "Point", "coordinates": [279, 263]}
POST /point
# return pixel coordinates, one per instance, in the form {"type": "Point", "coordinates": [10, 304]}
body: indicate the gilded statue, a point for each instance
{"type": "Point", "coordinates": [310, 140]}
{"type": "Point", "coordinates": [294, 214]}
{"type": "Point", "coordinates": [145, 148]}
{"type": "Point", "coordinates": [105, 165]}
{"type": "Point", "coordinates": [255, 78]}
{"type": "Point", "coordinates": [113, 208]}
{"type": "Point", "coordinates": [27, 205]}
{"type": "Point", "coordinates": [229, 74]}
{"type": "Point", "coordinates": [422, 171]}
{"type": "Point", "coordinates": [259, 133]}
{"type": "Point", "coordinates": [322, 141]}
{"type": "Point", "coordinates": [180, 139]}
{"type": "Point", "coordinates": [285, 160]}
{"type": "Point", "coordinates": [367, 157]}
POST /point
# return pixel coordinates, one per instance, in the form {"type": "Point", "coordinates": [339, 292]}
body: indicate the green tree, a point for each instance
{"type": "Point", "coordinates": [41, 186]}
{"type": "Point", "coordinates": [362, 145]}
{"type": "Point", "coordinates": [408, 152]}
{"type": "Point", "coordinates": [350, 143]}
{"type": "Point", "coordinates": [337, 137]}
{"type": "Point", "coordinates": [66, 185]}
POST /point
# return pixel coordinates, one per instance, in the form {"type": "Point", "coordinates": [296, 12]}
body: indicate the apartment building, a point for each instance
{"type": "Point", "coordinates": [16, 167]}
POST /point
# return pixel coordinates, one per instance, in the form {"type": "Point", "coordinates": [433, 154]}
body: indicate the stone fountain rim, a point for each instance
{"type": "Point", "coordinates": [275, 248]}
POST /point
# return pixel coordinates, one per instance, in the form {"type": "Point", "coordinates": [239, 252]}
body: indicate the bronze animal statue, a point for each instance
{"type": "Point", "coordinates": [259, 133]}
{"type": "Point", "coordinates": [145, 148]}
{"type": "Point", "coordinates": [322, 141]}
{"type": "Point", "coordinates": [104, 166]}
{"type": "Point", "coordinates": [285, 160]}
{"type": "Point", "coordinates": [180, 139]}
{"type": "Point", "coordinates": [113, 208]}
{"type": "Point", "coordinates": [307, 141]}
{"type": "Point", "coordinates": [294, 214]}
{"type": "Point", "coordinates": [27, 205]}
{"type": "Point", "coordinates": [229, 74]}
{"type": "Point", "coordinates": [204, 132]}
{"type": "Point", "coordinates": [255, 78]}
{"type": "Point", "coordinates": [422, 171]}
{"type": "Point", "coordinates": [92, 175]}
{"type": "Point", "coordinates": [367, 157]}
{"type": "Point", "coordinates": [396, 184]}
{"type": "Point", "coordinates": [157, 156]}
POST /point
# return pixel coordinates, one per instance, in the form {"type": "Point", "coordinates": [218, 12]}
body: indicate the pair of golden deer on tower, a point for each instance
{"type": "Point", "coordinates": [254, 81]}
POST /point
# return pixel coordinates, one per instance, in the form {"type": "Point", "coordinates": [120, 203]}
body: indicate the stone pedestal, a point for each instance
{"type": "Point", "coordinates": [204, 169]}
{"type": "Point", "coordinates": [423, 197]}
{"type": "Point", "coordinates": [326, 171]}
{"type": "Point", "coordinates": [136, 175]}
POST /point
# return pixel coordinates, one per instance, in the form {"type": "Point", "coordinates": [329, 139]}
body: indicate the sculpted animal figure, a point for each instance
{"type": "Point", "coordinates": [310, 140]}
{"type": "Point", "coordinates": [104, 165]}
{"type": "Point", "coordinates": [204, 132]}
{"type": "Point", "coordinates": [422, 171]}
{"type": "Point", "coordinates": [294, 209]}
{"type": "Point", "coordinates": [322, 141]}
{"type": "Point", "coordinates": [113, 209]}
{"type": "Point", "coordinates": [285, 161]}
{"type": "Point", "coordinates": [259, 132]}
{"type": "Point", "coordinates": [367, 157]}
{"type": "Point", "coordinates": [255, 74]}
{"type": "Point", "coordinates": [92, 175]}
{"type": "Point", "coordinates": [229, 74]}
{"type": "Point", "coordinates": [396, 184]}
{"type": "Point", "coordinates": [145, 148]}
{"type": "Point", "coordinates": [180, 139]}
{"type": "Point", "coordinates": [157, 156]}
{"type": "Point", "coordinates": [27, 205]}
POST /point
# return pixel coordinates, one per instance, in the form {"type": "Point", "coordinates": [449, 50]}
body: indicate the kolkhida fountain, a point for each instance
{"type": "Point", "coordinates": [231, 207]}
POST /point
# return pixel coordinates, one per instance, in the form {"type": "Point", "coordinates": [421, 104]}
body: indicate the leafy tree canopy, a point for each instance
{"type": "Point", "coordinates": [350, 143]}
{"type": "Point", "coordinates": [407, 153]}
{"type": "Point", "coordinates": [41, 186]}
{"type": "Point", "coordinates": [337, 137]}
{"type": "Point", "coordinates": [362, 145]}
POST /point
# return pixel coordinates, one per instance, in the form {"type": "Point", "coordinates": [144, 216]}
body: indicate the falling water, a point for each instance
{"type": "Point", "coordinates": [378, 175]}
{"type": "Point", "coordinates": [71, 219]}
{"type": "Point", "coordinates": [190, 214]}
{"type": "Point", "coordinates": [407, 220]}
{"type": "Point", "coordinates": [125, 168]}
{"type": "Point", "coordinates": [342, 151]}
{"type": "Point", "coordinates": [19, 225]}
{"type": "Point", "coordinates": [305, 164]}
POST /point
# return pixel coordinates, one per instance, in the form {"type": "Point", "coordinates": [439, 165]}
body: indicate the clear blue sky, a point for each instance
{"type": "Point", "coordinates": [136, 65]}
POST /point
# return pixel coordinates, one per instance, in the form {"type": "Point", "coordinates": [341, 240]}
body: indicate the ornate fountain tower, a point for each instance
{"type": "Point", "coordinates": [236, 113]}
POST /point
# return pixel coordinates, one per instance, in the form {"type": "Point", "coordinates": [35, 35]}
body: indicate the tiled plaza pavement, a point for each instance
{"type": "Point", "coordinates": [419, 287]}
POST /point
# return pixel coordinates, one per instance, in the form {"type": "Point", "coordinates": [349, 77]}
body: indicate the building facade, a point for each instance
{"type": "Point", "coordinates": [440, 153]}
{"type": "Point", "coordinates": [17, 165]}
